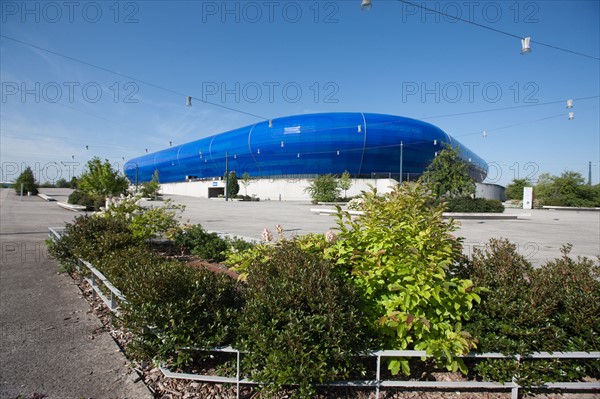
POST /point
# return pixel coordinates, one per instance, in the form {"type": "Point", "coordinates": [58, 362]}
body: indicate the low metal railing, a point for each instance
{"type": "Point", "coordinates": [377, 384]}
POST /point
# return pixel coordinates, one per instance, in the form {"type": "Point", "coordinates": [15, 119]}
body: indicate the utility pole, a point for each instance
{"type": "Point", "coordinates": [226, 176]}
{"type": "Point", "coordinates": [401, 159]}
{"type": "Point", "coordinates": [590, 173]}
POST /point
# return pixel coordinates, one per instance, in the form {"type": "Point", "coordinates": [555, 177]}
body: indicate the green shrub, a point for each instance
{"type": "Point", "coordinates": [553, 308]}
{"type": "Point", "coordinates": [205, 245]}
{"type": "Point", "coordinates": [398, 255]}
{"type": "Point", "coordinates": [80, 198]}
{"type": "Point", "coordinates": [171, 306]}
{"type": "Point", "coordinates": [324, 188]}
{"type": "Point", "coordinates": [301, 324]}
{"type": "Point", "coordinates": [146, 222]}
{"type": "Point", "coordinates": [479, 205]}
{"type": "Point", "coordinates": [90, 238]}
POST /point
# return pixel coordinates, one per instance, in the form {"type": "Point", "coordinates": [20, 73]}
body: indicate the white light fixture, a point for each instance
{"type": "Point", "coordinates": [87, 148]}
{"type": "Point", "coordinates": [298, 155]}
{"type": "Point", "coordinates": [525, 46]}
{"type": "Point", "coordinates": [270, 123]}
{"type": "Point", "coordinates": [571, 115]}
{"type": "Point", "coordinates": [188, 101]}
{"type": "Point", "coordinates": [365, 5]}
{"type": "Point", "coordinates": [569, 103]}
{"type": "Point", "coordinates": [200, 153]}
{"type": "Point", "coordinates": [436, 153]}
{"type": "Point", "coordinates": [485, 133]}
{"type": "Point", "coordinates": [282, 145]}
{"type": "Point", "coordinates": [360, 128]}
{"type": "Point", "coordinates": [338, 152]}
{"type": "Point", "coordinates": [434, 142]}
{"type": "Point", "coordinates": [258, 151]}
{"type": "Point", "coordinates": [234, 156]}
{"type": "Point", "coordinates": [170, 144]}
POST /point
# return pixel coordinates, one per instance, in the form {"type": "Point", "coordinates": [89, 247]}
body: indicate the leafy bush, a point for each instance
{"type": "Point", "coordinates": [102, 180]}
{"type": "Point", "coordinates": [468, 204]}
{"type": "Point", "coordinates": [90, 238]}
{"type": "Point", "coordinates": [302, 323]}
{"type": "Point", "coordinates": [205, 245]}
{"type": "Point", "coordinates": [80, 198]}
{"type": "Point", "coordinates": [553, 308]}
{"type": "Point", "coordinates": [146, 222]}
{"type": "Point", "coordinates": [171, 306]}
{"type": "Point", "coordinates": [324, 188]}
{"type": "Point", "coordinates": [398, 255]}
{"type": "Point", "coordinates": [150, 189]}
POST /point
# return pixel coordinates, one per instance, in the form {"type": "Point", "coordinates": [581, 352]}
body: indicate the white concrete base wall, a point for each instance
{"type": "Point", "coordinates": [273, 189]}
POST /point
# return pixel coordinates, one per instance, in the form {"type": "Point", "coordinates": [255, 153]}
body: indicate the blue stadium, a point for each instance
{"type": "Point", "coordinates": [364, 144]}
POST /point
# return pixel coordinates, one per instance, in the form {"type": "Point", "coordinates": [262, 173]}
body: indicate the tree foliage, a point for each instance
{"type": "Point", "coordinates": [568, 189]}
{"type": "Point", "coordinates": [448, 174]}
{"type": "Point", "coordinates": [100, 179]}
{"type": "Point", "coordinates": [345, 182]}
{"type": "Point", "coordinates": [150, 189]}
{"type": "Point", "coordinates": [233, 187]}
{"type": "Point", "coordinates": [27, 180]}
{"type": "Point", "coordinates": [514, 190]}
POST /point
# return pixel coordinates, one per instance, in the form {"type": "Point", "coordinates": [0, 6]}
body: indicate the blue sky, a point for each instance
{"type": "Point", "coordinates": [278, 58]}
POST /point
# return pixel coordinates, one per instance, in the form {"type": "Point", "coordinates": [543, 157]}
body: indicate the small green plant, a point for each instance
{"type": "Point", "coordinates": [205, 245]}
{"type": "Point", "coordinates": [397, 256]}
{"type": "Point", "coordinates": [302, 323]}
{"type": "Point", "coordinates": [26, 180]}
{"type": "Point", "coordinates": [146, 222]}
{"type": "Point", "coordinates": [246, 180]}
{"type": "Point", "coordinates": [324, 188]}
{"type": "Point", "coordinates": [345, 182]}
{"type": "Point", "coordinates": [150, 189]}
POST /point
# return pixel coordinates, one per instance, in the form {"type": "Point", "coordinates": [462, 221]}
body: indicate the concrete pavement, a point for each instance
{"type": "Point", "coordinates": [50, 342]}
{"type": "Point", "coordinates": [539, 237]}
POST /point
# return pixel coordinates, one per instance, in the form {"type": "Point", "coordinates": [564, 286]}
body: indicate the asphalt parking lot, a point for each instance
{"type": "Point", "coordinates": [539, 234]}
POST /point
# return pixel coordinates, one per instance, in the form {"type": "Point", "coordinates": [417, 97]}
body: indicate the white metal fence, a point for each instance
{"type": "Point", "coordinates": [115, 296]}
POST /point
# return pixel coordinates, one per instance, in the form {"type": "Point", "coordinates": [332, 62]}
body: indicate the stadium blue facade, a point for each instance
{"type": "Point", "coordinates": [366, 145]}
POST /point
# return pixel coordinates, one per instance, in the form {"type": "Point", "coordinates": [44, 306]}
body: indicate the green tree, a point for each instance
{"type": "Point", "coordinates": [568, 189]}
{"type": "Point", "coordinates": [448, 174]}
{"type": "Point", "coordinates": [27, 180]}
{"type": "Point", "coordinates": [233, 187]}
{"type": "Point", "coordinates": [73, 183]}
{"type": "Point", "coordinates": [324, 188]}
{"type": "Point", "coordinates": [102, 180]}
{"type": "Point", "coordinates": [150, 189]}
{"type": "Point", "coordinates": [514, 190]}
{"type": "Point", "coordinates": [246, 180]}
{"type": "Point", "coordinates": [345, 182]}
{"type": "Point", "coordinates": [62, 183]}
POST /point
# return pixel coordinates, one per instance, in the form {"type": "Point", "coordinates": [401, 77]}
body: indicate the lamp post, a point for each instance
{"type": "Point", "coordinates": [401, 159]}
{"type": "Point", "coordinates": [226, 176]}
